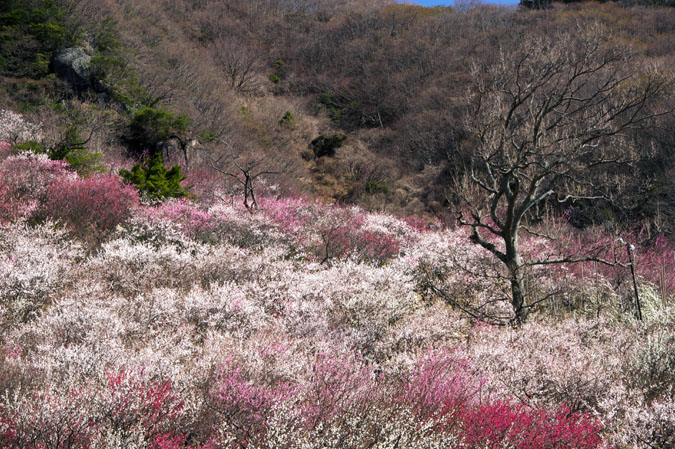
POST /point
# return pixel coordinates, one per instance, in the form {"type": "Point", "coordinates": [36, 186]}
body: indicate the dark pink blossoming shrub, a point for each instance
{"type": "Point", "coordinates": [90, 206]}
{"type": "Point", "coordinates": [341, 233]}
{"type": "Point", "coordinates": [5, 149]}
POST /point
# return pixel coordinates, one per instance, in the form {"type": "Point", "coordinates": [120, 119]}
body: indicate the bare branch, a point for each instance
{"type": "Point", "coordinates": [547, 119]}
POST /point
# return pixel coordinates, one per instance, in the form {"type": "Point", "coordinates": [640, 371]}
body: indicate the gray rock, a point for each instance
{"type": "Point", "coordinates": [72, 64]}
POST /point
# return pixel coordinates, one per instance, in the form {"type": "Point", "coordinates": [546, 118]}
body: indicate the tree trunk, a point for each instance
{"type": "Point", "coordinates": [246, 193]}
{"type": "Point", "coordinates": [514, 264]}
{"type": "Point", "coordinates": [518, 296]}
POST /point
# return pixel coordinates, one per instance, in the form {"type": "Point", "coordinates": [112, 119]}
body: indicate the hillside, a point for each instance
{"type": "Point", "coordinates": [264, 80]}
{"type": "Point", "coordinates": [336, 224]}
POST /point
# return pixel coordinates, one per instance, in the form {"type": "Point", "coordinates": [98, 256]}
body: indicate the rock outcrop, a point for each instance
{"type": "Point", "coordinates": [73, 65]}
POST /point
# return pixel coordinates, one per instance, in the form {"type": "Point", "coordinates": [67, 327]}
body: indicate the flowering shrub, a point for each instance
{"type": "Point", "coordinates": [14, 128]}
{"type": "Point", "coordinates": [291, 214]}
{"type": "Point", "coordinates": [191, 220]}
{"type": "Point", "coordinates": [92, 206]}
{"type": "Point", "coordinates": [504, 425]}
{"type": "Point", "coordinates": [131, 268]}
{"type": "Point", "coordinates": [126, 411]}
{"type": "Point", "coordinates": [205, 326]}
{"type": "Point", "coordinates": [340, 234]}
{"type": "Point", "coordinates": [591, 367]}
{"type": "Point", "coordinates": [24, 180]}
{"type": "Point", "coordinates": [339, 400]}
{"type": "Point", "coordinates": [206, 185]}
{"type": "Point", "coordinates": [5, 149]}
{"type": "Point", "coordinates": [654, 261]}
{"type": "Point", "coordinates": [131, 404]}
{"type": "Point", "coordinates": [35, 263]}
{"type": "Point", "coordinates": [243, 406]}
{"type": "Point", "coordinates": [441, 383]}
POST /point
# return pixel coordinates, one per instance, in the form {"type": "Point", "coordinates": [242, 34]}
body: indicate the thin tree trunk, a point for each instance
{"type": "Point", "coordinates": [518, 298]}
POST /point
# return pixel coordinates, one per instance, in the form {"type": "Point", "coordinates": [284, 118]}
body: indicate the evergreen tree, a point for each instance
{"type": "Point", "coordinates": [155, 180]}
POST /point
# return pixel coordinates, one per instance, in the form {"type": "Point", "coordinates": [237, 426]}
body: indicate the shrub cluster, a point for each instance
{"type": "Point", "coordinates": [37, 188]}
{"type": "Point", "coordinates": [30, 30]}
{"type": "Point", "coordinates": [207, 326]}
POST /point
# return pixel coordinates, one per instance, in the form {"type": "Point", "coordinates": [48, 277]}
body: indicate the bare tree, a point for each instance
{"type": "Point", "coordinates": [549, 122]}
{"type": "Point", "coordinates": [239, 63]}
{"type": "Point", "coordinates": [246, 169]}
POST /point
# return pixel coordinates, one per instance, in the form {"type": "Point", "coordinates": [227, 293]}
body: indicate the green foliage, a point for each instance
{"type": "Point", "coordinates": [29, 94]}
{"type": "Point", "coordinates": [207, 136]}
{"type": "Point", "coordinates": [326, 145]}
{"type": "Point", "coordinates": [343, 112]}
{"type": "Point", "coordinates": [154, 180]}
{"type": "Point", "coordinates": [126, 88]}
{"type": "Point", "coordinates": [149, 126]}
{"type": "Point", "coordinates": [373, 187]}
{"type": "Point", "coordinates": [31, 145]}
{"type": "Point", "coordinates": [41, 64]}
{"type": "Point", "coordinates": [30, 31]}
{"type": "Point", "coordinates": [52, 34]}
{"type": "Point", "coordinates": [103, 66]}
{"type": "Point", "coordinates": [106, 38]}
{"type": "Point", "coordinates": [327, 102]}
{"type": "Point", "coordinates": [280, 67]}
{"type": "Point", "coordinates": [287, 120]}
{"type": "Point", "coordinates": [279, 73]}
{"type": "Point", "coordinates": [109, 65]}
{"type": "Point", "coordinates": [71, 148]}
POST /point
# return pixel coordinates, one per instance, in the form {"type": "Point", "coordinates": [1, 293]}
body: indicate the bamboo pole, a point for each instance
{"type": "Point", "coordinates": [597, 287]}
{"type": "Point", "coordinates": [635, 286]}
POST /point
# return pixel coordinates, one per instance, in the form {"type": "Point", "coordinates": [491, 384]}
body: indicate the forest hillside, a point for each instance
{"type": "Point", "coordinates": [336, 224]}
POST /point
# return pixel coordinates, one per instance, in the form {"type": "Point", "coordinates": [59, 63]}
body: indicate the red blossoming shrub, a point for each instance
{"type": "Point", "coordinates": [500, 425]}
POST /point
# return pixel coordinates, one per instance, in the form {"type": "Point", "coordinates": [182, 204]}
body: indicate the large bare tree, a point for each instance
{"type": "Point", "coordinates": [548, 121]}
{"type": "Point", "coordinates": [241, 64]}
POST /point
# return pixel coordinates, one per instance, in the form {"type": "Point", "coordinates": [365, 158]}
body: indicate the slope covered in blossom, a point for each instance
{"type": "Point", "coordinates": [195, 323]}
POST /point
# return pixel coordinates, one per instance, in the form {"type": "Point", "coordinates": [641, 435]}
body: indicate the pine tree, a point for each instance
{"type": "Point", "coordinates": [155, 180]}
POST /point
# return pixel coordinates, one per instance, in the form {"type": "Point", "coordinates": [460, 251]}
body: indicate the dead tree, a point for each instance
{"type": "Point", "coordinates": [246, 170]}
{"type": "Point", "coordinates": [547, 121]}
